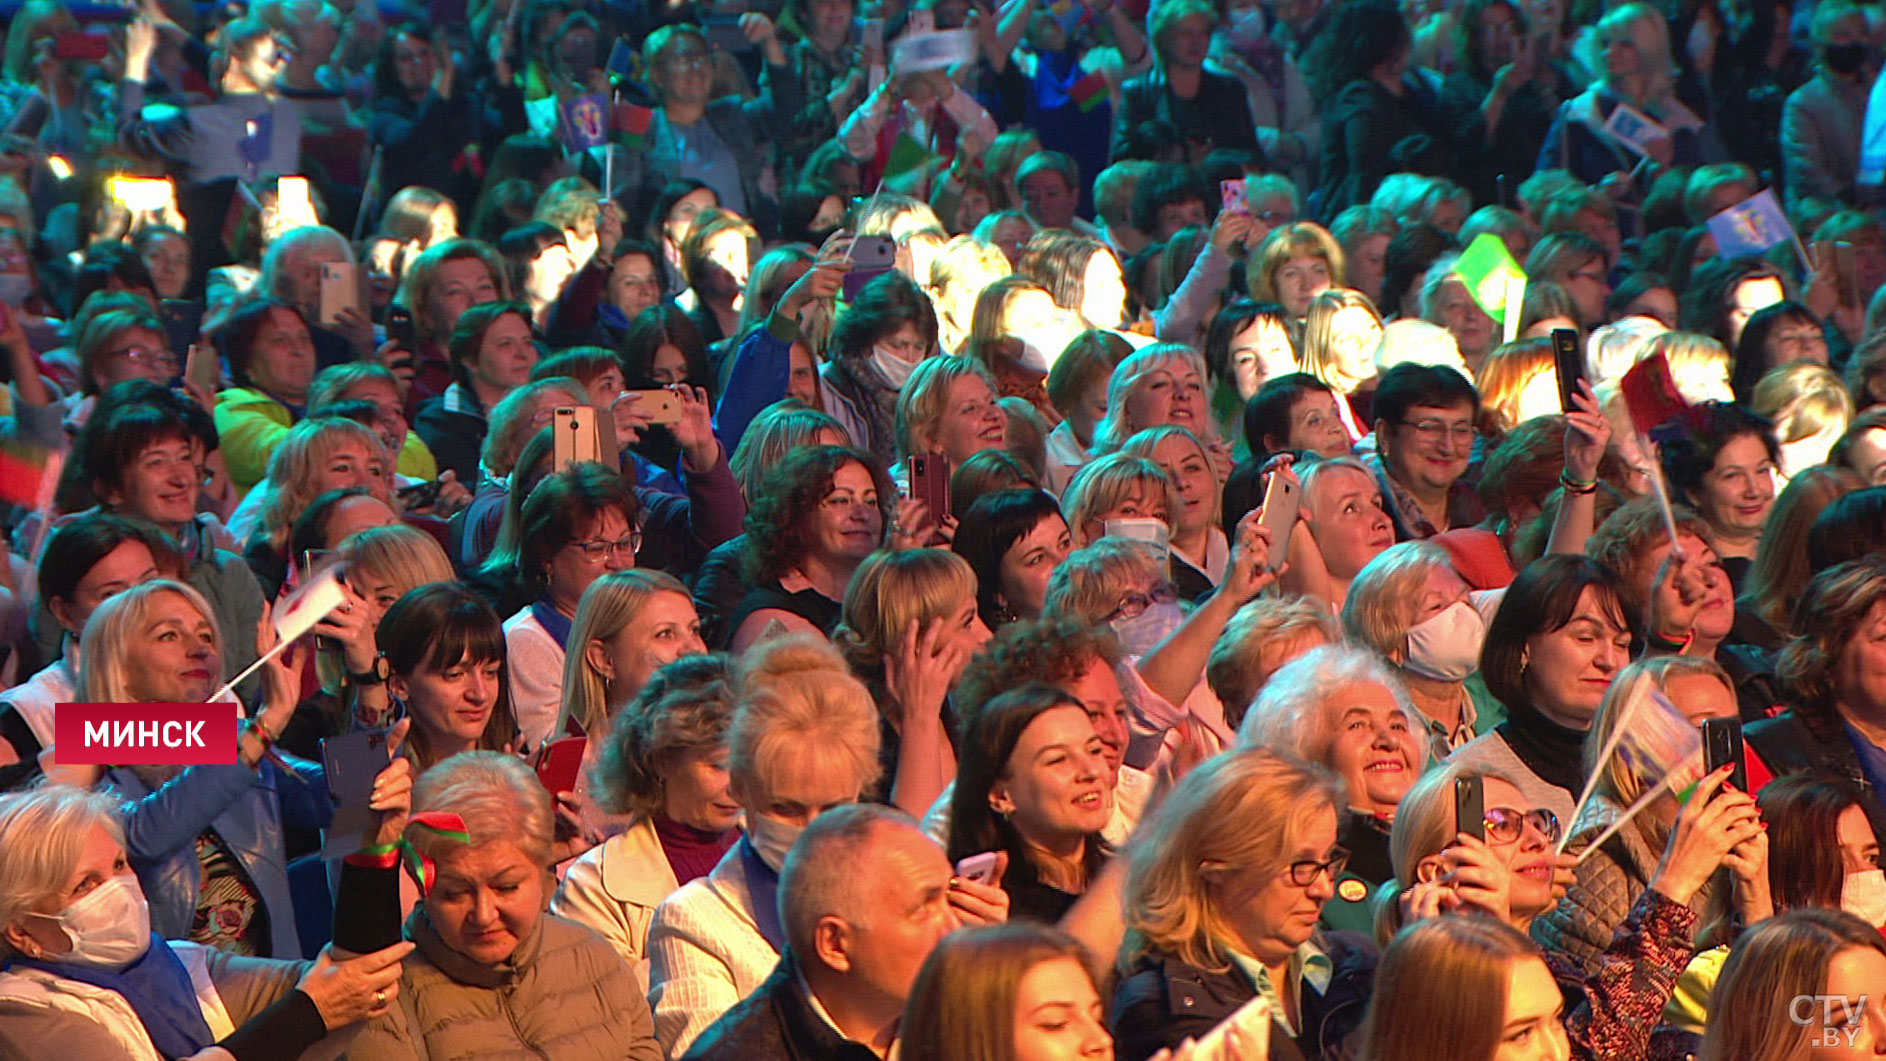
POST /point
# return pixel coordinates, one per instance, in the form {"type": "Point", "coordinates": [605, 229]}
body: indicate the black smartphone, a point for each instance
{"type": "Point", "coordinates": [1569, 360]}
{"type": "Point", "coordinates": [1722, 746]}
{"type": "Point", "coordinates": [399, 327]}
{"type": "Point", "coordinates": [724, 34]}
{"type": "Point", "coordinates": [352, 761]}
{"type": "Point", "coordinates": [1470, 807]}
{"type": "Point", "coordinates": [420, 495]}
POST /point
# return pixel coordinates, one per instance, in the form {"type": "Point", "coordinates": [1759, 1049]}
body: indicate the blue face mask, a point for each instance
{"type": "Point", "coordinates": [1142, 633]}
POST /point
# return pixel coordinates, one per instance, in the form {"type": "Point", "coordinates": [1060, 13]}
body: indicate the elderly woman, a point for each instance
{"type": "Point", "coordinates": [271, 359]}
{"type": "Point", "coordinates": [1338, 706]}
{"type": "Point", "coordinates": [820, 512]}
{"type": "Point", "coordinates": [1411, 607]}
{"type": "Point", "coordinates": [804, 740]}
{"type": "Point", "coordinates": [492, 972]}
{"type": "Point", "coordinates": [437, 288]}
{"type": "Point", "coordinates": [1222, 903]}
{"type": "Point", "coordinates": [316, 456]}
{"type": "Point", "coordinates": [576, 526]}
{"type": "Point", "coordinates": [85, 971]}
{"type": "Point", "coordinates": [291, 271]}
{"type": "Point", "coordinates": [1828, 675]}
{"type": "Point", "coordinates": [1199, 543]}
{"type": "Point", "coordinates": [445, 661]}
{"type": "Point", "coordinates": [908, 628]}
{"type": "Point", "coordinates": [1722, 827]}
{"type": "Point", "coordinates": [1264, 635]}
{"type": "Point", "coordinates": [949, 407]}
{"type": "Point", "coordinates": [664, 765]}
{"type": "Point", "coordinates": [491, 355]}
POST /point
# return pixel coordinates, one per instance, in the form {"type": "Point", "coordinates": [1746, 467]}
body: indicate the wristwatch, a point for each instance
{"type": "Point", "coordinates": [376, 674]}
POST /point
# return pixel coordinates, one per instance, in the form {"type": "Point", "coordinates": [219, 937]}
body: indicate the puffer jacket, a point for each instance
{"type": "Point", "coordinates": [247, 809]}
{"type": "Point", "coordinates": [1581, 927]}
{"type": "Point", "coordinates": [563, 994]}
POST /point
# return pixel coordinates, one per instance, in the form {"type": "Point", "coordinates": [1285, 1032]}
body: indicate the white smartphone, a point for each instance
{"type": "Point", "coordinates": [978, 868]}
{"type": "Point", "coordinates": [1251, 1019]}
{"type": "Point", "coordinates": [340, 290]}
{"type": "Point", "coordinates": [1279, 513]}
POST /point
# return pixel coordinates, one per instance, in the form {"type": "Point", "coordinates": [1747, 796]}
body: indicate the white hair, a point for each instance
{"type": "Point", "coordinates": [1296, 712]}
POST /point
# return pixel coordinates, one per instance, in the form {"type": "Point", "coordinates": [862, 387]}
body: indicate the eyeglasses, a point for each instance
{"type": "Point", "coordinates": [1135, 604]}
{"type": "Point", "coordinates": [162, 465]}
{"type": "Point", "coordinates": [1505, 825]}
{"type": "Point", "coordinates": [1435, 430]}
{"type": "Point", "coordinates": [1304, 873]}
{"type": "Point", "coordinates": [687, 61]}
{"type": "Point", "coordinates": [598, 549]}
{"type": "Point", "coordinates": [143, 355]}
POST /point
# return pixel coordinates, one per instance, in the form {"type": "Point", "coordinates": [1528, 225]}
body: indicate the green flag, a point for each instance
{"type": "Point", "coordinates": [1488, 270]}
{"type": "Point", "coordinates": [906, 155]}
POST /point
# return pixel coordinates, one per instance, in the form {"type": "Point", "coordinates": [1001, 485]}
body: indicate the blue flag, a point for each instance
{"type": "Point", "coordinates": [1751, 226]}
{"type": "Point", "coordinates": [584, 122]}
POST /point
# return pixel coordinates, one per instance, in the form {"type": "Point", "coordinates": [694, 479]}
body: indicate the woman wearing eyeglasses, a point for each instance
{"type": "Point", "coordinates": [577, 525]}
{"type": "Point", "coordinates": [1222, 900]}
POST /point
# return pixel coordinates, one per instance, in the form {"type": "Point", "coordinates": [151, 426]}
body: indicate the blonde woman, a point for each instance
{"type": "Point", "coordinates": [1223, 890]}
{"type": "Point", "coordinates": [962, 270]}
{"type": "Point", "coordinates": [319, 455]}
{"type": "Point", "coordinates": [1199, 542]}
{"type": "Point", "coordinates": [1294, 264]}
{"type": "Point", "coordinates": [1810, 408]}
{"type": "Point", "coordinates": [663, 768]}
{"type": "Point", "coordinates": [1158, 385]}
{"type": "Point", "coordinates": [1340, 336]}
{"type": "Point", "coordinates": [1632, 43]}
{"type": "Point", "coordinates": [804, 740]}
{"type": "Point", "coordinates": [1018, 334]}
{"type": "Point", "coordinates": [1717, 827]}
{"type": "Point", "coordinates": [1263, 636]}
{"type": "Point", "coordinates": [1117, 486]}
{"type": "Point", "coordinates": [948, 406]}
{"type": "Point", "coordinates": [1699, 365]}
{"type": "Point", "coordinates": [1519, 382]}
{"type": "Point", "coordinates": [909, 626]}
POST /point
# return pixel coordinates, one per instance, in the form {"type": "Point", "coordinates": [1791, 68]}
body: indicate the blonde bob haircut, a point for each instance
{"type": "Point", "coordinates": [1090, 583]}
{"type": "Point", "coordinates": [1319, 333]}
{"type": "Point", "coordinates": [122, 621]}
{"type": "Point", "coordinates": [404, 556]}
{"type": "Point", "coordinates": [1644, 27]}
{"type": "Point", "coordinates": [1242, 811]}
{"type": "Point", "coordinates": [1694, 357]}
{"type": "Point", "coordinates": [779, 429]}
{"type": "Point", "coordinates": [43, 833]}
{"type": "Point", "coordinates": [1385, 593]}
{"type": "Point", "coordinates": [610, 604]}
{"type": "Point", "coordinates": [1103, 484]}
{"type": "Point", "coordinates": [892, 590]}
{"type": "Point", "coordinates": [295, 468]}
{"type": "Point", "coordinates": [1263, 636]}
{"type": "Point", "coordinates": [1298, 710]}
{"type": "Point", "coordinates": [497, 795]}
{"type": "Point", "coordinates": [1298, 239]}
{"type": "Point", "coordinates": [1146, 443]}
{"type": "Point", "coordinates": [1136, 371]}
{"type": "Point", "coordinates": [968, 262]}
{"type": "Point", "coordinates": [1426, 819]}
{"type": "Point", "coordinates": [799, 704]}
{"type": "Point", "coordinates": [926, 395]}
{"type": "Point", "coordinates": [415, 287]}
{"type": "Point", "coordinates": [1613, 348]}
{"type": "Point", "coordinates": [1615, 779]}
{"type": "Point", "coordinates": [1804, 399]}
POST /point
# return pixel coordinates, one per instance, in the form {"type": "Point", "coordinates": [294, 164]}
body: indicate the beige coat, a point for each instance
{"type": "Point", "coordinates": [614, 889]}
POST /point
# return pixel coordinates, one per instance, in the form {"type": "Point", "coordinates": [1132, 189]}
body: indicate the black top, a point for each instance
{"type": "Point", "coordinates": [15, 731]}
{"type": "Point", "coordinates": [808, 604]}
{"type": "Point", "coordinates": [1552, 752]}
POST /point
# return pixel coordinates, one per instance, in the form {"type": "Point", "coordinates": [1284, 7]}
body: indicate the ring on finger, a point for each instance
{"type": "Point", "coordinates": [379, 997]}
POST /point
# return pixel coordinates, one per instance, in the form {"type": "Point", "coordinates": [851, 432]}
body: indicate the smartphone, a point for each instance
{"type": "Point", "coordinates": [147, 194]}
{"type": "Point", "coordinates": [930, 482]}
{"type": "Point", "coordinates": [1470, 807]}
{"type": "Point", "coordinates": [576, 439]}
{"type": "Point", "coordinates": [1847, 283]}
{"type": "Point", "coordinates": [1282, 495]}
{"type": "Point", "coordinates": [183, 323]}
{"type": "Point", "coordinates": [1252, 1020]}
{"type": "Point", "coordinates": [87, 47]}
{"type": "Point", "coordinates": [1722, 746]}
{"type": "Point", "coordinates": [1569, 361]}
{"type": "Point", "coordinates": [560, 763]}
{"type": "Point", "coordinates": [660, 405]}
{"type": "Point", "coordinates": [871, 257]}
{"type": "Point", "coordinates": [399, 327]}
{"type": "Point", "coordinates": [342, 288]}
{"type": "Point", "coordinates": [293, 208]}
{"type": "Point", "coordinates": [352, 760]}
{"type": "Point", "coordinates": [978, 868]}
{"type": "Point", "coordinates": [724, 34]}
{"type": "Point", "coordinates": [420, 495]}
{"type": "Point", "coordinates": [1234, 197]}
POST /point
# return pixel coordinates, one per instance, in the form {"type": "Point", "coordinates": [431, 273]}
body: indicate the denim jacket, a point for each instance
{"type": "Point", "coordinates": [247, 810]}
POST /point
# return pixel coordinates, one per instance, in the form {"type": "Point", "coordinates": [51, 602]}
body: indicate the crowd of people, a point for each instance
{"type": "Point", "coordinates": [1057, 550]}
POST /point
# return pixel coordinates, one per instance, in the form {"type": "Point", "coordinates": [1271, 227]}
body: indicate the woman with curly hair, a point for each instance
{"type": "Point", "coordinates": [820, 512]}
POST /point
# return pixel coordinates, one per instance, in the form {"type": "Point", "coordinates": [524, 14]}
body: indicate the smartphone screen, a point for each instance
{"type": "Point", "coordinates": [1722, 746]}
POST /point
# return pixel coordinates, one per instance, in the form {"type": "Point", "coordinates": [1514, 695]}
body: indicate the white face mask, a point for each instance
{"type": "Point", "coordinates": [1864, 896]}
{"type": "Point", "coordinates": [1143, 632]}
{"type": "Point", "coordinates": [1446, 646]}
{"type": "Point", "coordinates": [896, 370]}
{"type": "Point", "coordinates": [109, 928]}
{"type": "Point", "coordinates": [771, 839]}
{"type": "Point", "coordinates": [15, 288]}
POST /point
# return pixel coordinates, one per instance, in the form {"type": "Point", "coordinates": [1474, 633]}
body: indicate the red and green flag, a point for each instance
{"type": "Point", "coordinates": [631, 124]}
{"type": "Point", "coordinates": [1089, 92]}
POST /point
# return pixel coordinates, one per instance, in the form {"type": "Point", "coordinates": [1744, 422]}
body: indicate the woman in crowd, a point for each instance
{"type": "Point", "coordinates": [576, 526]}
{"type": "Point", "coordinates": [1634, 41]}
{"type": "Point", "coordinates": [949, 407]}
{"type": "Point", "coordinates": [1033, 783]}
{"type": "Point", "coordinates": [370, 382]}
{"type": "Point", "coordinates": [1344, 525]}
{"type": "Point", "coordinates": [1337, 706]}
{"type": "Point", "coordinates": [539, 257]}
{"type": "Point", "coordinates": [1465, 989]}
{"type": "Point", "coordinates": [1294, 264]}
{"type": "Point", "coordinates": [1373, 121]}
{"type": "Point", "coordinates": [1156, 386]}
{"type": "Point", "coordinates": [1013, 540]}
{"type": "Point", "coordinates": [1340, 335]}
{"type": "Point", "coordinates": [875, 345]}
{"type": "Point", "coordinates": [629, 625]}
{"type": "Point", "coordinates": [1077, 386]}
{"type": "Point", "coordinates": [1411, 607]}
{"type": "Point", "coordinates": [429, 115]}
{"type": "Point", "coordinates": [1549, 655]}
{"type": "Point", "coordinates": [1014, 992]}
{"type": "Point", "coordinates": [85, 971]}
{"type": "Point", "coordinates": [1817, 954]}
{"type": "Point", "coordinates": [1724, 466]}
{"type": "Point", "coordinates": [1247, 345]}
{"type": "Point", "coordinates": [491, 355]}
{"type": "Point", "coordinates": [1810, 408]}
{"type": "Point", "coordinates": [820, 512]}
{"type": "Point", "coordinates": [664, 765]}
{"type": "Point", "coordinates": [1082, 275]}
{"type": "Point", "coordinates": [804, 740]}
{"type": "Point", "coordinates": [318, 455]}
{"type": "Point", "coordinates": [1018, 334]}
{"type": "Point", "coordinates": [1776, 335]}
{"type": "Point", "coordinates": [436, 289]}
{"type": "Point", "coordinates": [1119, 487]}
{"type": "Point", "coordinates": [1222, 901]}
{"type": "Point", "coordinates": [444, 650]}
{"type": "Point", "coordinates": [908, 627]}
{"type": "Point", "coordinates": [271, 360]}
{"type": "Point", "coordinates": [491, 971]}
{"type": "Point", "coordinates": [1199, 543]}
